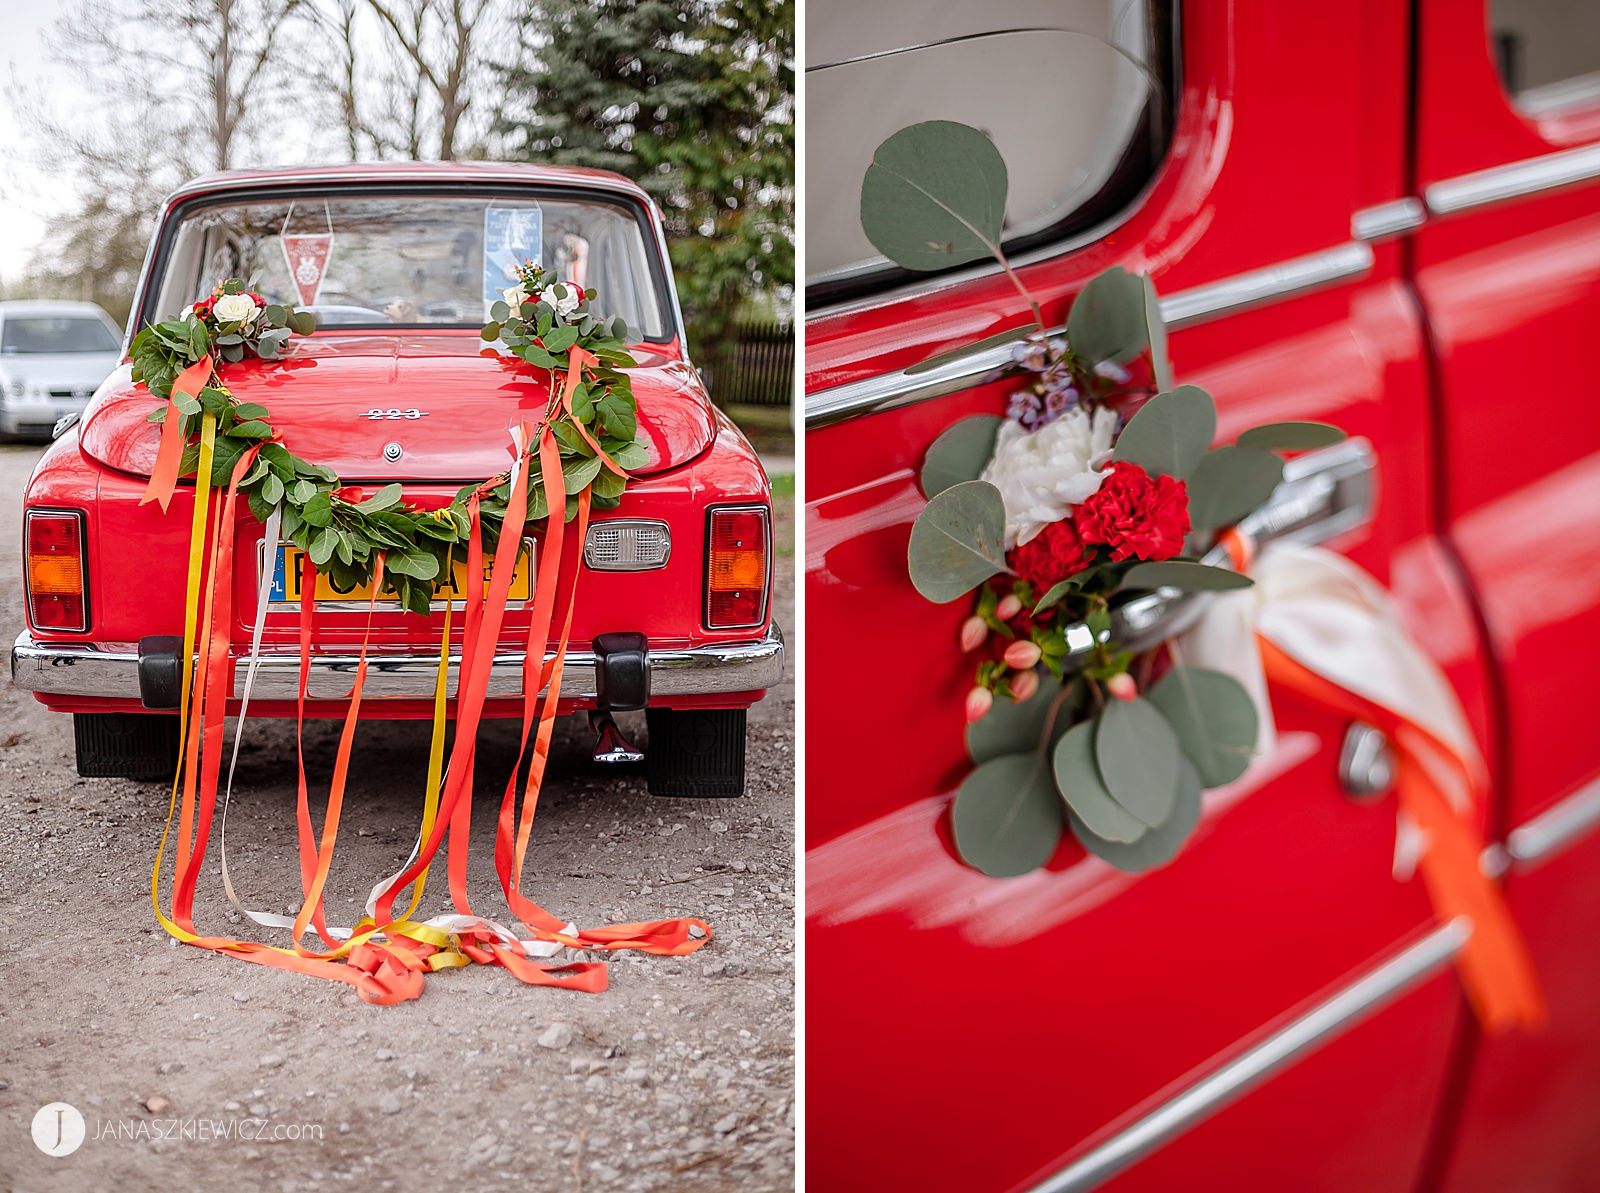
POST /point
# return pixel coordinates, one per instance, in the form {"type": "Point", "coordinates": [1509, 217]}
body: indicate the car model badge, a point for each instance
{"type": "Point", "coordinates": [391, 452]}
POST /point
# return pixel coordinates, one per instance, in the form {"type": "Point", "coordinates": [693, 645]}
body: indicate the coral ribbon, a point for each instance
{"type": "Point", "coordinates": [1316, 615]}
{"type": "Point", "coordinates": [169, 456]}
{"type": "Point", "coordinates": [385, 958]}
{"type": "Point", "coordinates": [1496, 970]}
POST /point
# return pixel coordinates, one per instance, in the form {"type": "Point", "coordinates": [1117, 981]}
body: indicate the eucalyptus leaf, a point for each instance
{"type": "Point", "coordinates": [934, 196]}
{"type": "Point", "coordinates": [1156, 327]}
{"type": "Point", "coordinates": [958, 541]}
{"type": "Point", "coordinates": [1012, 336]}
{"type": "Point", "coordinates": [1229, 483]}
{"type": "Point", "coordinates": [1214, 718]}
{"type": "Point", "coordinates": [960, 453]}
{"type": "Point", "coordinates": [1171, 432]}
{"type": "Point", "coordinates": [302, 323]}
{"type": "Point", "coordinates": [1078, 778]}
{"type": "Point", "coordinates": [1183, 575]}
{"type": "Point", "coordinates": [1007, 817]}
{"type": "Point", "coordinates": [1015, 726]}
{"type": "Point", "coordinates": [1292, 436]}
{"type": "Point", "coordinates": [1107, 321]}
{"type": "Point", "coordinates": [1138, 756]}
{"type": "Point", "coordinates": [499, 311]}
{"type": "Point", "coordinates": [1158, 846]}
{"type": "Point", "coordinates": [1058, 590]}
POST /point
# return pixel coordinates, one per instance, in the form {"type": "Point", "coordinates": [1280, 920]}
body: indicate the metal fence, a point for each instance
{"type": "Point", "coordinates": [753, 367]}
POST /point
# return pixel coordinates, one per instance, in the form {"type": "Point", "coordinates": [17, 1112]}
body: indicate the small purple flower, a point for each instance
{"type": "Point", "coordinates": [1026, 408]}
{"type": "Point", "coordinates": [1030, 354]}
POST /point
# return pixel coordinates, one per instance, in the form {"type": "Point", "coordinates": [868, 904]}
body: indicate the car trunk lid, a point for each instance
{"type": "Point", "coordinates": [409, 405]}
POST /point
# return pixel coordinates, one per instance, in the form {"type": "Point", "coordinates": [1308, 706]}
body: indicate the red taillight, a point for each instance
{"type": "Point", "coordinates": [57, 599]}
{"type": "Point", "coordinates": [736, 568]}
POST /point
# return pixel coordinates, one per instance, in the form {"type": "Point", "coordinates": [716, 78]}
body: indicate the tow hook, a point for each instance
{"type": "Point", "coordinates": [610, 745]}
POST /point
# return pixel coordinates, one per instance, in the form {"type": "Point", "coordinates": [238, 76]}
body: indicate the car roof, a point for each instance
{"type": "Point", "coordinates": [43, 306]}
{"type": "Point", "coordinates": [407, 172]}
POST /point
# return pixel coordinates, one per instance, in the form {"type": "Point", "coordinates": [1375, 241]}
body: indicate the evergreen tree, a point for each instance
{"type": "Point", "coordinates": [693, 99]}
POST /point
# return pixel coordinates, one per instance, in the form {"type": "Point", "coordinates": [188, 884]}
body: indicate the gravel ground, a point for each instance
{"type": "Point", "coordinates": [680, 1076]}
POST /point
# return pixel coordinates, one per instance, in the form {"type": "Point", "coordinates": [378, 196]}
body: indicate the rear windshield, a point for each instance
{"type": "Point", "coordinates": [43, 334]}
{"type": "Point", "coordinates": [379, 261]}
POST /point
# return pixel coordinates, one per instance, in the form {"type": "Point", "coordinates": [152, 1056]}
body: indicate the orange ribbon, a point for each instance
{"type": "Point", "coordinates": [169, 456]}
{"type": "Point", "coordinates": [1496, 970]}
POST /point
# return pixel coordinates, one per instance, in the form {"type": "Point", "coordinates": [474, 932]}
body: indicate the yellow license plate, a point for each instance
{"type": "Point", "coordinates": [289, 576]}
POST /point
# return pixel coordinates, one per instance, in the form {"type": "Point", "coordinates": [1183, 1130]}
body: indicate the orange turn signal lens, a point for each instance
{"type": "Point", "coordinates": [736, 567]}
{"type": "Point", "coordinates": [56, 590]}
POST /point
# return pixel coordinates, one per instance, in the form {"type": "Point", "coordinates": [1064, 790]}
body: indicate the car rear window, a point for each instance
{"type": "Point", "coordinates": [46, 334]}
{"type": "Point", "coordinates": [1076, 94]}
{"type": "Point", "coordinates": [388, 260]}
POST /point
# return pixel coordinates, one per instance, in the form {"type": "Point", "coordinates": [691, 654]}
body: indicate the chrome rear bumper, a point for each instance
{"type": "Point", "coordinates": [111, 671]}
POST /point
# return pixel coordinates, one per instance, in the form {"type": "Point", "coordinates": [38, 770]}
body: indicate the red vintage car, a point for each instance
{"type": "Point", "coordinates": [401, 264]}
{"type": "Point", "coordinates": [1383, 215]}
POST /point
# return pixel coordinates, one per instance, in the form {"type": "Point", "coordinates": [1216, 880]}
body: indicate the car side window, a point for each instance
{"type": "Point", "coordinates": [1547, 52]}
{"type": "Point", "coordinates": [1076, 94]}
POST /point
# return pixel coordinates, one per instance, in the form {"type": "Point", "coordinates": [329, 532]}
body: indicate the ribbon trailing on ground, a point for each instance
{"type": "Point", "coordinates": [1324, 628]}
{"type": "Point", "coordinates": [385, 956]}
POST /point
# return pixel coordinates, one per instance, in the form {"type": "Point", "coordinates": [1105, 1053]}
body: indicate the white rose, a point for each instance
{"type": "Point", "coordinates": [515, 297]}
{"type": "Point", "coordinates": [1042, 474]}
{"type": "Point", "coordinates": [234, 308]}
{"type": "Point", "coordinates": [563, 299]}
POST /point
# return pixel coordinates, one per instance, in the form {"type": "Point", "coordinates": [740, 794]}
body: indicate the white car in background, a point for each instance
{"type": "Point", "coordinates": [53, 356]}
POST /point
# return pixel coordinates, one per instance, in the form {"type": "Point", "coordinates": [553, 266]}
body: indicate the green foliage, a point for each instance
{"type": "Point", "coordinates": [957, 542]}
{"type": "Point", "coordinates": [960, 453]}
{"type": "Point", "coordinates": [1007, 817]}
{"type": "Point", "coordinates": [1230, 482]}
{"type": "Point", "coordinates": [1108, 319]}
{"type": "Point", "coordinates": [1170, 433]}
{"type": "Point", "coordinates": [935, 196]}
{"type": "Point", "coordinates": [344, 532]}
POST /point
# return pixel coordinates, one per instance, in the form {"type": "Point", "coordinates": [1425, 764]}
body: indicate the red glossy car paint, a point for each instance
{"type": "Point", "coordinates": [321, 396]}
{"type": "Point", "coordinates": [966, 1033]}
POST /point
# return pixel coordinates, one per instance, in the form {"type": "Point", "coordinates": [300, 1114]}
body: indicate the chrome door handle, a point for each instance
{"type": "Point", "coordinates": [1323, 493]}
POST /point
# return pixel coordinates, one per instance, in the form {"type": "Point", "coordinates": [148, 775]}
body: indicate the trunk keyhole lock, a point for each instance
{"type": "Point", "coordinates": [391, 452]}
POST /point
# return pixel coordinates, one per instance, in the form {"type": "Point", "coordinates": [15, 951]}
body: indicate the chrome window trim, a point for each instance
{"type": "Point", "coordinates": [1322, 1024]}
{"type": "Point", "coordinates": [1532, 176]}
{"type": "Point", "coordinates": [1185, 308]}
{"type": "Point", "coordinates": [1556, 99]}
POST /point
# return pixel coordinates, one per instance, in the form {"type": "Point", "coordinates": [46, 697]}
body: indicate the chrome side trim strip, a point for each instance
{"type": "Point", "coordinates": [1285, 279]}
{"type": "Point", "coordinates": [1557, 827]}
{"type": "Point", "coordinates": [1322, 1024]}
{"type": "Point", "coordinates": [1547, 172]}
{"type": "Point", "coordinates": [1387, 220]}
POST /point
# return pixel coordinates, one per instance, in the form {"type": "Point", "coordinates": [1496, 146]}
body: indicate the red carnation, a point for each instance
{"type": "Point", "coordinates": [1049, 557]}
{"type": "Point", "coordinates": [1137, 515]}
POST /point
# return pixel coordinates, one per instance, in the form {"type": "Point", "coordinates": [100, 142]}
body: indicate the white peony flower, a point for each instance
{"type": "Point", "coordinates": [1042, 474]}
{"type": "Point", "coordinates": [562, 298]}
{"type": "Point", "coordinates": [234, 308]}
{"type": "Point", "coordinates": [515, 297]}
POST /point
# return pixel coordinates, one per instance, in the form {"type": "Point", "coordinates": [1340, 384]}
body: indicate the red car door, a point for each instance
{"type": "Point", "coordinates": [1272, 1010]}
{"type": "Point", "coordinates": [1508, 269]}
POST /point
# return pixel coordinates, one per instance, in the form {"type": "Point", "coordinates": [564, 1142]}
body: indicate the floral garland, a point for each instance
{"type": "Point", "coordinates": [1099, 487]}
{"type": "Point", "coordinates": [343, 532]}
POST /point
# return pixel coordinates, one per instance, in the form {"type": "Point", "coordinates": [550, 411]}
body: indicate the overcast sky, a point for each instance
{"type": "Point", "coordinates": [25, 190]}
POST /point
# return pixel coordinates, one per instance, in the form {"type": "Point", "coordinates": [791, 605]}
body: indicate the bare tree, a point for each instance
{"type": "Point", "coordinates": [179, 87]}
{"type": "Point", "coordinates": [443, 40]}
